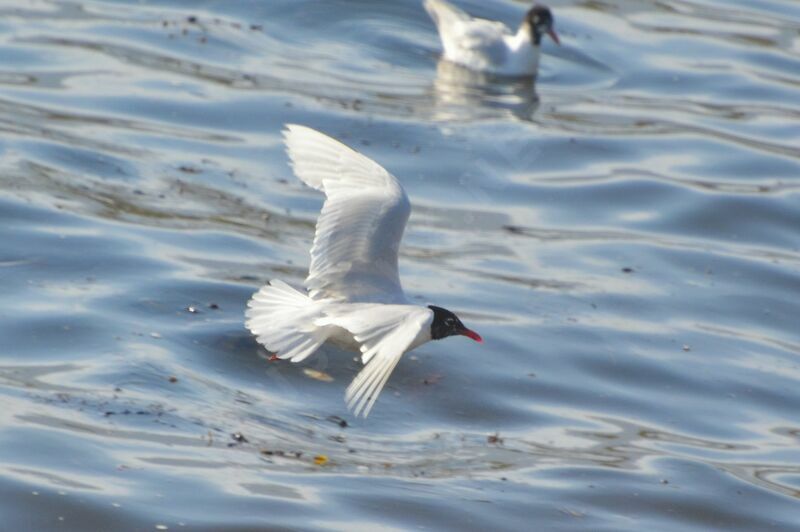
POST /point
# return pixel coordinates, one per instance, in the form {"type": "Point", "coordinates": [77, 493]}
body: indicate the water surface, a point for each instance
{"type": "Point", "coordinates": [623, 233]}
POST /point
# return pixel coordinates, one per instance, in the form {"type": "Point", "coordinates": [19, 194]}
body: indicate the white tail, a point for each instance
{"type": "Point", "coordinates": [444, 14]}
{"type": "Point", "coordinates": [282, 319]}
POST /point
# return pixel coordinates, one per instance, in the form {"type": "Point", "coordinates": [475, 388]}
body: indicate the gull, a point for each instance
{"type": "Point", "coordinates": [352, 297]}
{"type": "Point", "coordinates": [490, 46]}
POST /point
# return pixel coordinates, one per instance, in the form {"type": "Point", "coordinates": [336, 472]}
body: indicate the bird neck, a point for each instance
{"type": "Point", "coordinates": [525, 36]}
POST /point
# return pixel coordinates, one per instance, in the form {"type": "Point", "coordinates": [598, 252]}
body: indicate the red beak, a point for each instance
{"type": "Point", "coordinates": [554, 36]}
{"type": "Point", "coordinates": [472, 334]}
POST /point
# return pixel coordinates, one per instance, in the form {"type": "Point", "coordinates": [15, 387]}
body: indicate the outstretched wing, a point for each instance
{"type": "Point", "coordinates": [354, 256]}
{"type": "Point", "coordinates": [385, 333]}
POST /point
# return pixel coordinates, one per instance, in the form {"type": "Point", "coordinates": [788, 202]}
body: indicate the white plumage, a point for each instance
{"type": "Point", "coordinates": [490, 46]}
{"type": "Point", "coordinates": [354, 297]}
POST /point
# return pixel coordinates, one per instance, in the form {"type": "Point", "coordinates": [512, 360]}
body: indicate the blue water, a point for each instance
{"type": "Point", "coordinates": [624, 234]}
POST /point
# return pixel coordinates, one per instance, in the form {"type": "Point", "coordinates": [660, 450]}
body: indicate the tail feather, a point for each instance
{"type": "Point", "coordinates": [444, 13]}
{"type": "Point", "coordinates": [282, 319]}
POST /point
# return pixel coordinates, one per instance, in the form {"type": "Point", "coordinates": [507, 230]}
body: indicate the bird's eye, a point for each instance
{"type": "Point", "coordinates": [449, 321]}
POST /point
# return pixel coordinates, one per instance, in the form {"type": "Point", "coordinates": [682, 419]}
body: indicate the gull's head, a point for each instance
{"type": "Point", "coordinates": [445, 324]}
{"type": "Point", "coordinates": [540, 20]}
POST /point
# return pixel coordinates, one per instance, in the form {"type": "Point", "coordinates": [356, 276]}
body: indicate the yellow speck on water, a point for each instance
{"type": "Point", "coordinates": [320, 459]}
{"type": "Point", "coordinates": [316, 374]}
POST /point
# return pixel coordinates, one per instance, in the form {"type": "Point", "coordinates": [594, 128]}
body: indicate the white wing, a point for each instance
{"type": "Point", "coordinates": [354, 256]}
{"type": "Point", "coordinates": [475, 42]}
{"type": "Point", "coordinates": [385, 333]}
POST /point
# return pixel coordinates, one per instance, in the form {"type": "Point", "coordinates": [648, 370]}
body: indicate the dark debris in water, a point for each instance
{"type": "Point", "coordinates": [283, 454]}
{"type": "Point", "coordinates": [339, 421]}
{"type": "Point", "coordinates": [628, 269]}
{"type": "Point", "coordinates": [203, 25]}
{"type": "Point", "coordinates": [238, 439]}
{"type": "Point", "coordinates": [128, 412]}
{"type": "Point", "coordinates": [514, 229]}
{"type": "Point", "coordinates": [432, 379]}
{"type": "Point", "coordinates": [495, 439]}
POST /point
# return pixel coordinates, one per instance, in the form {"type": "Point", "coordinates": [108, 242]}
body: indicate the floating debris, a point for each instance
{"type": "Point", "coordinates": [339, 421]}
{"type": "Point", "coordinates": [495, 439]}
{"type": "Point", "coordinates": [287, 454]}
{"type": "Point", "coordinates": [626, 269]}
{"type": "Point", "coordinates": [433, 379]}
{"type": "Point", "coordinates": [316, 374]}
{"type": "Point", "coordinates": [320, 459]}
{"type": "Point", "coordinates": [238, 437]}
{"type": "Point", "coordinates": [173, 379]}
{"type": "Point", "coordinates": [572, 513]}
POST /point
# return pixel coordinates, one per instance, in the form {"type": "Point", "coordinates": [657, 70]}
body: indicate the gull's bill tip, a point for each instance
{"type": "Point", "coordinates": [472, 334]}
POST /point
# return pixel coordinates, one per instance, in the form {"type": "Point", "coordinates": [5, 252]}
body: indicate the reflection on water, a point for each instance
{"type": "Point", "coordinates": [623, 233]}
{"type": "Point", "coordinates": [463, 94]}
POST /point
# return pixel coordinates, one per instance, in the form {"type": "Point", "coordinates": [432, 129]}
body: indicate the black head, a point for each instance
{"type": "Point", "coordinates": [445, 324]}
{"type": "Point", "coordinates": [540, 20]}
